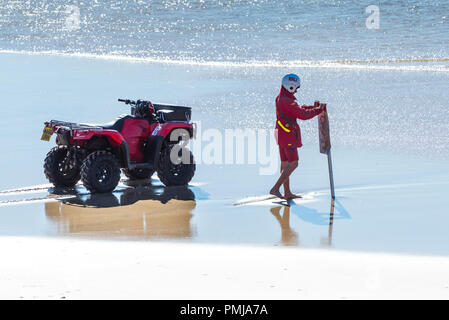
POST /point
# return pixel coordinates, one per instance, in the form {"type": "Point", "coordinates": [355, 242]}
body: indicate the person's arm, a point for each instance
{"type": "Point", "coordinates": [315, 105]}
{"type": "Point", "coordinates": [301, 112]}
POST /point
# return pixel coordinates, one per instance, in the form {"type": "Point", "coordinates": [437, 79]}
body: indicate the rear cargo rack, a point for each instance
{"type": "Point", "coordinates": [73, 126]}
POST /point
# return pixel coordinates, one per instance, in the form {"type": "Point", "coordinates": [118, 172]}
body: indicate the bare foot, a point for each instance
{"type": "Point", "coordinates": [276, 193]}
{"type": "Point", "coordinates": [291, 196]}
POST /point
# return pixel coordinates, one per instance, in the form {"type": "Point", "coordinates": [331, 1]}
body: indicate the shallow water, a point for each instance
{"type": "Point", "coordinates": [390, 159]}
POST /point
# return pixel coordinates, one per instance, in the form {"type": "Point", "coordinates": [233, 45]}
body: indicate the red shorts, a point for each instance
{"type": "Point", "coordinates": [288, 154]}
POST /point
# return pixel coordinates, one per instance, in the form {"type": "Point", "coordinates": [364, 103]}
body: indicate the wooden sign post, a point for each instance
{"type": "Point", "coordinates": [325, 144]}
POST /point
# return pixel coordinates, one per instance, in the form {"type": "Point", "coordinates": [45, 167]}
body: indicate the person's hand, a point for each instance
{"type": "Point", "coordinates": [316, 104]}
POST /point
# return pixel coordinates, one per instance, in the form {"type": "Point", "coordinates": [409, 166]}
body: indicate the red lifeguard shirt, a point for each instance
{"type": "Point", "coordinates": [287, 132]}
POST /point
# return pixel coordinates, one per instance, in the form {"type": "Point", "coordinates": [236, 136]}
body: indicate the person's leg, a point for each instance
{"type": "Point", "coordinates": [288, 195]}
{"type": "Point", "coordinates": [292, 155]}
{"type": "Point", "coordinates": [286, 184]}
{"type": "Point", "coordinates": [284, 163]}
{"type": "Point", "coordinates": [286, 172]}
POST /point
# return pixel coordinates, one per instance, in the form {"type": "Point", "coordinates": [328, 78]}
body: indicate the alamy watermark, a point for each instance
{"type": "Point", "coordinates": [229, 147]}
{"type": "Point", "coordinates": [373, 20]}
{"type": "Point", "coordinates": [72, 19]}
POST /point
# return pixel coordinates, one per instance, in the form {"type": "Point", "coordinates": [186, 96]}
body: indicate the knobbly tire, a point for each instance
{"type": "Point", "coordinates": [138, 174]}
{"type": "Point", "coordinates": [176, 174]}
{"type": "Point", "coordinates": [100, 172]}
{"type": "Point", "coordinates": [54, 169]}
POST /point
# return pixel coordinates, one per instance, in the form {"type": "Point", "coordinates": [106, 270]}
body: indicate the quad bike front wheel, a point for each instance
{"type": "Point", "coordinates": [60, 169]}
{"type": "Point", "coordinates": [100, 172]}
{"type": "Point", "coordinates": [176, 166]}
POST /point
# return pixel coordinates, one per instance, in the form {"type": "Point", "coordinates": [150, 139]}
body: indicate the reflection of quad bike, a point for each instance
{"type": "Point", "coordinates": [140, 211]}
{"type": "Point", "coordinates": [152, 138]}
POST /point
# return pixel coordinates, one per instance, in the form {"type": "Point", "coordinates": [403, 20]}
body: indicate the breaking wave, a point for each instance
{"type": "Point", "coordinates": [410, 64]}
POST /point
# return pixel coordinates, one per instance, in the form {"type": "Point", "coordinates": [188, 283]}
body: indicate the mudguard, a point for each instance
{"type": "Point", "coordinates": [113, 137]}
{"type": "Point", "coordinates": [165, 129]}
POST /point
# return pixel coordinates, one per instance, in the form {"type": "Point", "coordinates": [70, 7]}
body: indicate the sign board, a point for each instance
{"type": "Point", "coordinates": [323, 129]}
{"type": "Point", "coordinates": [325, 144]}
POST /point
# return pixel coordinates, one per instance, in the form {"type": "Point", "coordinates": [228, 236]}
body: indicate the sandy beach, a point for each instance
{"type": "Point", "coordinates": [220, 237]}
{"type": "Point", "coordinates": [42, 268]}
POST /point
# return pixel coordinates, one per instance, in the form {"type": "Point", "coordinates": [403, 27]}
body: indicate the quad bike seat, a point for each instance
{"type": "Point", "coordinates": [116, 125]}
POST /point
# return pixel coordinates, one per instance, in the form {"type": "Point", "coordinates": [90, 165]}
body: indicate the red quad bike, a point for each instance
{"type": "Point", "coordinates": [152, 138]}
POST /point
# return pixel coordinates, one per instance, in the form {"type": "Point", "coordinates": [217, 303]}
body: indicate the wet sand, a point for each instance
{"type": "Point", "coordinates": [390, 214]}
{"type": "Point", "coordinates": [395, 218]}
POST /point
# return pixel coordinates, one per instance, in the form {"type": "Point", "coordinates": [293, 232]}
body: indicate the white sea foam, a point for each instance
{"type": "Point", "coordinates": [349, 64]}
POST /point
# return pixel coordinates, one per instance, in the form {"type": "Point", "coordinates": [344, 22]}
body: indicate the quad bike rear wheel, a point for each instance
{"type": "Point", "coordinates": [178, 172]}
{"type": "Point", "coordinates": [138, 174]}
{"type": "Point", "coordinates": [100, 172]}
{"type": "Point", "coordinates": [59, 169]}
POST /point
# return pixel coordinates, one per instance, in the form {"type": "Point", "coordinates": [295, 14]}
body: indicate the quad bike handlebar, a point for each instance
{"type": "Point", "coordinates": [141, 108]}
{"type": "Point", "coordinates": [127, 101]}
{"type": "Point", "coordinates": [160, 112]}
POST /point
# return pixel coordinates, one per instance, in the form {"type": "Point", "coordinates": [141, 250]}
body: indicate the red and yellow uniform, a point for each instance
{"type": "Point", "coordinates": [287, 132]}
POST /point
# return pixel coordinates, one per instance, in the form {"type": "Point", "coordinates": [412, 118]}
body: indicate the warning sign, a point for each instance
{"type": "Point", "coordinates": [323, 129]}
